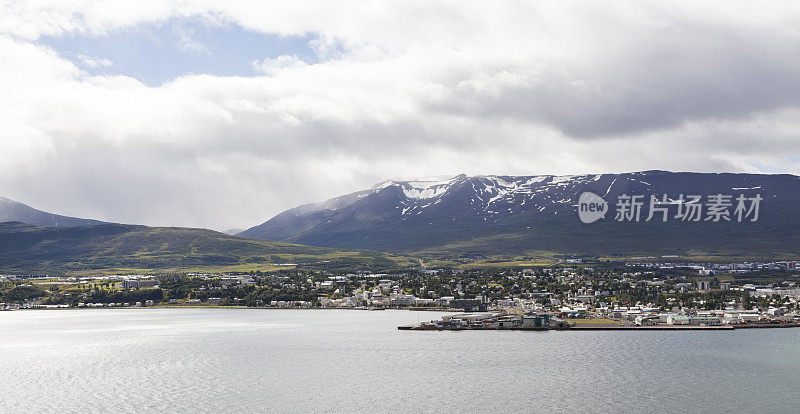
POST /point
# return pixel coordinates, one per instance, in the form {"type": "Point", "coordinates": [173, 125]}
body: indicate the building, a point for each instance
{"type": "Point", "coordinates": [444, 301]}
{"type": "Point", "coordinates": [646, 320]}
{"type": "Point", "coordinates": [468, 305]}
{"type": "Point", "coordinates": [423, 302]}
{"type": "Point", "coordinates": [704, 320]}
{"type": "Point", "coordinates": [677, 320]}
{"type": "Point", "coordinates": [506, 322]}
{"type": "Point", "coordinates": [134, 284]}
{"type": "Point", "coordinates": [536, 321]}
{"type": "Point", "coordinates": [749, 317]}
{"type": "Point", "coordinates": [402, 300]}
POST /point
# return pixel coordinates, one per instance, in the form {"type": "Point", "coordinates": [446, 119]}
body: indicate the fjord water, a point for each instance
{"type": "Point", "coordinates": [250, 360]}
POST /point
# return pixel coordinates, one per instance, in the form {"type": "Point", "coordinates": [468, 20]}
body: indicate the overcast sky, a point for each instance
{"type": "Point", "coordinates": [221, 114]}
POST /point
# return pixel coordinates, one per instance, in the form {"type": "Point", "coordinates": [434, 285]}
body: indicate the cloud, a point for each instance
{"type": "Point", "coordinates": [409, 89]}
{"type": "Point", "coordinates": [94, 61]}
{"type": "Point", "coordinates": [187, 42]}
{"type": "Point", "coordinates": [271, 66]}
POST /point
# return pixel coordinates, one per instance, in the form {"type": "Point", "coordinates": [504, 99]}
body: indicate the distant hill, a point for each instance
{"type": "Point", "coordinates": [126, 248]}
{"type": "Point", "coordinates": [488, 215]}
{"type": "Point", "coordinates": [11, 210]}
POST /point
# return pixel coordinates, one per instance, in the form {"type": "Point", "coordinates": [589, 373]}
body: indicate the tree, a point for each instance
{"type": "Point", "coordinates": [747, 304]}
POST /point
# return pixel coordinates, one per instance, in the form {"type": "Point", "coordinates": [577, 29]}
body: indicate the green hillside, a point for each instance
{"type": "Point", "coordinates": [112, 248]}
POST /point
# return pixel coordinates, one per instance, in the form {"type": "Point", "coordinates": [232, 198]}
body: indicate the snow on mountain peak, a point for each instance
{"type": "Point", "coordinates": [491, 192]}
{"type": "Point", "coordinates": [424, 188]}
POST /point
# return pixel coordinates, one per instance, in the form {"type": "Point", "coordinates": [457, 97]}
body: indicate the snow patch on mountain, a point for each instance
{"type": "Point", "coordinates": [425, 190]}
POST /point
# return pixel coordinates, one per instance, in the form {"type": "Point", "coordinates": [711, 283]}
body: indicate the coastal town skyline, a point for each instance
{"type": "Point", "coordinates": [419, 206]}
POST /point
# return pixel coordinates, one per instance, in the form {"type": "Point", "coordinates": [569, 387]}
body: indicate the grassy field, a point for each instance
{"type": "Point", "coordinates": [440, 258]}
{"type": "Point", "coordinates": [500, 263]}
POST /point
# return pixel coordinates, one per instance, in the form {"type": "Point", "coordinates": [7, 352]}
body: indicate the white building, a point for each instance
{"type": "Point", "coordinates": [677, 320]}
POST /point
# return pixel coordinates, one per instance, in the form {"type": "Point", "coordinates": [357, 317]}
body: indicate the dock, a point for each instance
{"type": "Point", "coordinates": [603, 327]}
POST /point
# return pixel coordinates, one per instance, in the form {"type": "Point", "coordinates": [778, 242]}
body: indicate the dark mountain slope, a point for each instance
{"type": "Point", "coordinates": [511, 214]}
{"type": "Point", "coordinates": [11, 210]}
{"type": "Point", "coordinates": [26, 248]}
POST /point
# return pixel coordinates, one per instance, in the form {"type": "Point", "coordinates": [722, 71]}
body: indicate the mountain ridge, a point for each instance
{"type": "Point", "coordinates": [11, 210]}
{"type": "Point", "coordinates": [537, 212]}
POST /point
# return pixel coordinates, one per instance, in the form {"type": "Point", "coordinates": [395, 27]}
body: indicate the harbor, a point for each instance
{"type": "Point", "coordinates": [546, 322]}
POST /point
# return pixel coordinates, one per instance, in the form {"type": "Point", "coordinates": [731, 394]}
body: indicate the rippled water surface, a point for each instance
{"type": "Point", "coordinates": [236, 360]}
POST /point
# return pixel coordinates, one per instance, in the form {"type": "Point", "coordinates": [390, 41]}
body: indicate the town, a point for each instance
{"type": "Point", "coordinates": [573, 294]}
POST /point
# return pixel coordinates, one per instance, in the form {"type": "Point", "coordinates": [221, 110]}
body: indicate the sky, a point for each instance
{"type": "Point", "coordinates": [221, 114]}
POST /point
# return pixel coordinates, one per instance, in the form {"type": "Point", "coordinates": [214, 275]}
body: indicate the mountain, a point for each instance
{"type": "Point", "coordinates": [126, 248]}
{"type": "Point", "coordinates": [11, 210]}
{"type": "Point", "coordinates": [485, 215]}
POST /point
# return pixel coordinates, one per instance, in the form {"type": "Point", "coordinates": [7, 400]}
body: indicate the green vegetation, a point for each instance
{"type": "Point", "coordinates": [116, 248]}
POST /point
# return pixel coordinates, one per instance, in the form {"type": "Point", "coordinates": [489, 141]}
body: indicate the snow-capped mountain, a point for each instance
{"type": "Point", "coordinates": [520, 213]}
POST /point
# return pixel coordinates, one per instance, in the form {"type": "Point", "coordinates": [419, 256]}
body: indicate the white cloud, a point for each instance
{"type": "Point", "coordinates": [94, 61]}
{"type": "Point", "coordinates": [187, 42]}
{"type": "Point", "coordinates": [404, 89]}
{"type": "Point", "coordinates": [271, 66]}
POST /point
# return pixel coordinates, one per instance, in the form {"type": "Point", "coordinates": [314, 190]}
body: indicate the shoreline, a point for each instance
{"type": "Point", "coordinates": [416, 327]}
{"type": "Point", "coordinates": [222, 307]}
